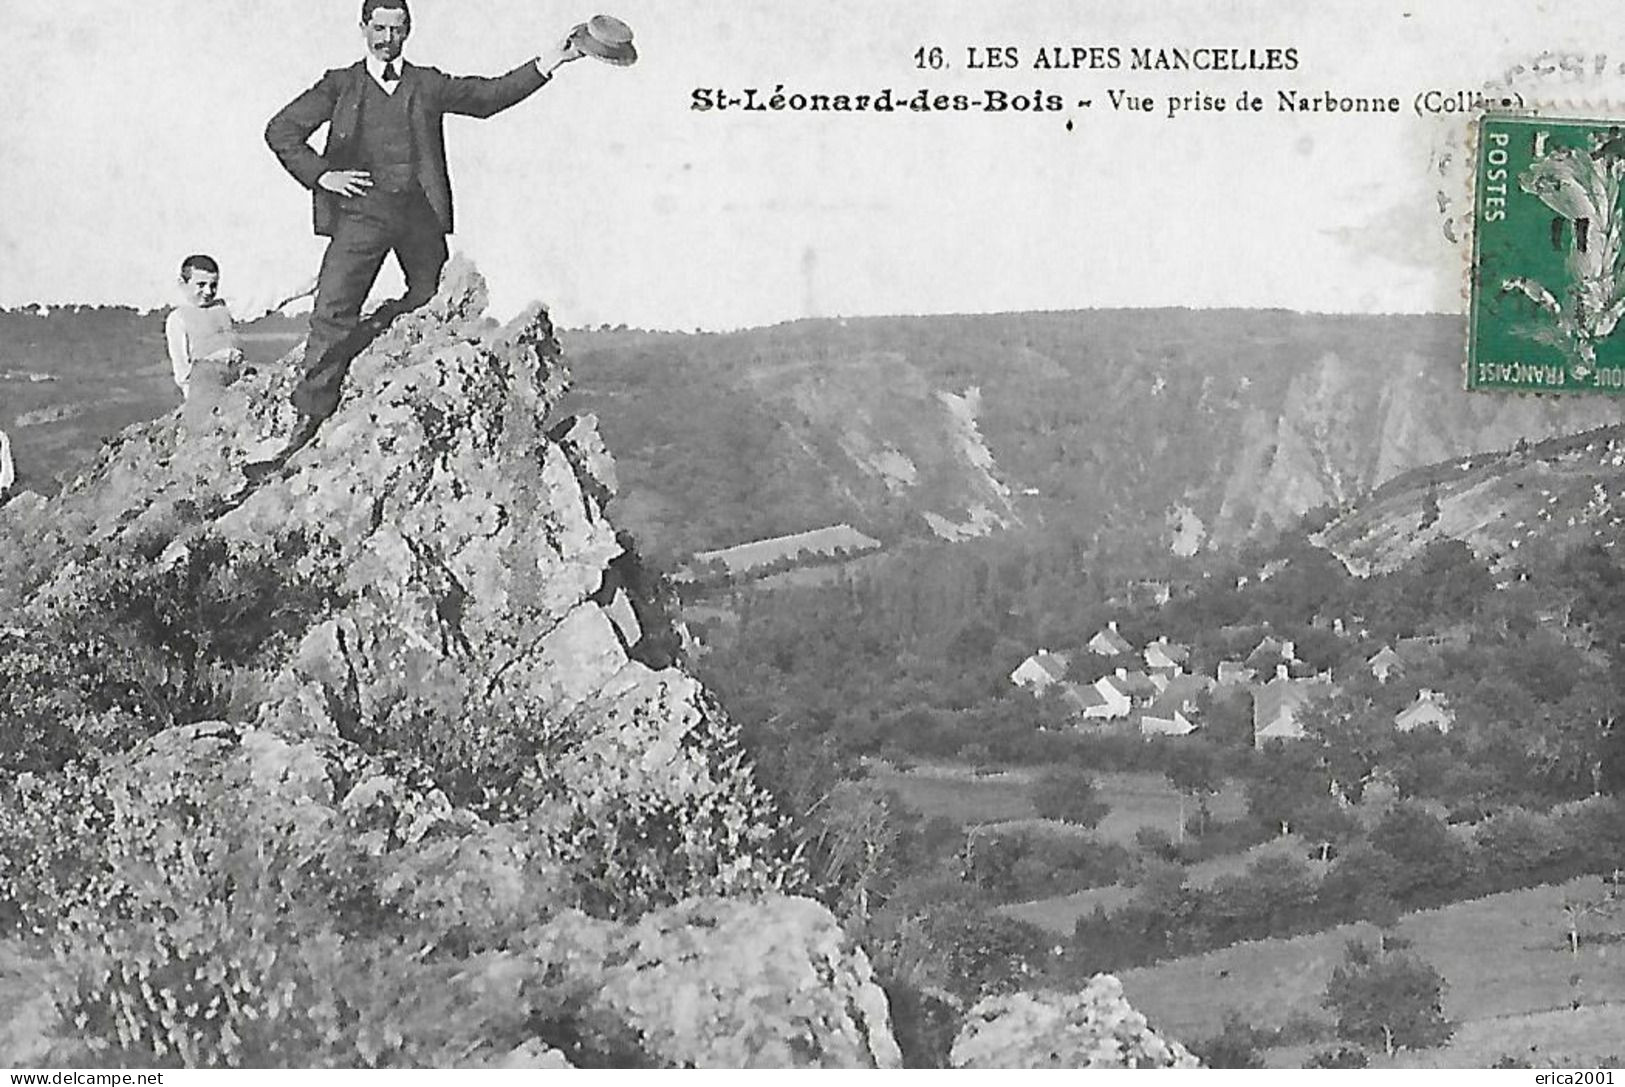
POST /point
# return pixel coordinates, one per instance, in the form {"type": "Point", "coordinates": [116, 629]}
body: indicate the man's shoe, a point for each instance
{"type": "Point", "coordinates": [302, 434]}
{"type": "Point", "coordinates": [258, 471]}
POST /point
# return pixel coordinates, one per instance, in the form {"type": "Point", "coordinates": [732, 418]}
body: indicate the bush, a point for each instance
{"type": "Point", "coordinates": [140, 642]}
{"type": "Point", "coordinates": [1154, 842]}
{"type": "Point", "coordinates": [1237, 1045]}
{"type": "Point", "coordinates": [1342, 1056]}
{"type": "Point", "coordinates": [1069, 795]}
{"type": "Point", "coordinates": [239, 901]}
{"type": "Point", "coordinates": [1391, 999]}
{"type": "Point", "coordinates": [984, 954]}
{"type": "Point", "coordinates": [1037, 864]}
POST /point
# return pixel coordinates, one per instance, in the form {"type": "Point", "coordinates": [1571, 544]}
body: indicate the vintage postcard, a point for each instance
{"type": "Point", "coordinates": [732, 533]}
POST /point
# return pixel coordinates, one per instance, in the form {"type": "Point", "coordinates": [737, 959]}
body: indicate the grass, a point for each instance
{"type": "Point", "coordinates": [1060, 914]}
{"type": "Point", "coordinates": [956, 792]}
{"type": "Point", "coordinates": [1147, 800]}
{"type": "Point", "coordinates": [1562, 1039]}
{"type": "Point", "coordinates": [1505, 959]}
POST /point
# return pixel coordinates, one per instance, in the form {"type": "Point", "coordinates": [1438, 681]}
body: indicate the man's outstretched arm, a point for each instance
{"type": "Point", "coordinates": [288, 133]}
{"type": "Point", "coordinates": [482, 96]}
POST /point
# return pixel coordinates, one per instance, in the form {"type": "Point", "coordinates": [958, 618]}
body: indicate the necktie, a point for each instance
{"type": "Point", "coordinates": [391, 74]}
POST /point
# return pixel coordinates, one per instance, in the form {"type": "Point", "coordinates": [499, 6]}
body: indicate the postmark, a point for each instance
{"type": "Point", "coordinates": [1547, 275]}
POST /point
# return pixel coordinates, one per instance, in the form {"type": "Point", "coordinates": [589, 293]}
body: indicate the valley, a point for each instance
{"type": "Point", "coordinates": [873, 526]}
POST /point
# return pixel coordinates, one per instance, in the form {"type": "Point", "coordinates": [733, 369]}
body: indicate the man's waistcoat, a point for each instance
{"type": "Point", "coordinates": [425, 95]}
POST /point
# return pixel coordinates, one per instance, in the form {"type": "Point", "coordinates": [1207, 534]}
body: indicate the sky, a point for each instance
{"type": "Point", "coordinates": [132, 135]}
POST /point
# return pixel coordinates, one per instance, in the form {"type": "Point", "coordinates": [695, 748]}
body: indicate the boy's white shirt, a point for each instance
{"type": "Point", "coordinates": [180, 352]}
{"type": "Point", "coordinates": [249, 308]}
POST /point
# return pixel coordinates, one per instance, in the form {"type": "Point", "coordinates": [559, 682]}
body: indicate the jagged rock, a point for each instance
{"type": "Point", "coordinates": [719, 983]}
{"type": "Point", "coordinates": [462, 538]}
{"type": "Point", "coordinates": [535, 1055]}
{"type": "Point", "coordinates": [436, 716]}
{"type": "Point", "coordinates": [1095, 1028]}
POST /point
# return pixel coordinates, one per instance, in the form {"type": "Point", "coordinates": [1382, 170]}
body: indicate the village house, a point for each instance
{"type": "Point", "coordinates": [1135, 683]}
{"type": "Point", "coordinates": [1039, 671]}
{"type": "Point", "coordinates": [1081, 699]}
{"type": "Point", "coordinates": [1276, 706]}
{"type": "Point", "coordinates": [1120, 692]}
{"type": "Point", "coordinates": [1165, 656]}
{"type": "Point", "coordinates": [1175, 712]}
{"type": "Point", "coordinates": [1384, 663]}
{"type": "Point", "coordinates": [1271, 652]}
{"type": "Point", "coordinates": [1114, 701]}
{"type": "Point", "coordinates": [1161, 719]}
{"type": "Point", "coordinates": [1428, 711]}
{"type": "Point", "coordinates": [1109, 643]}
{"type": "Point", "coordinates": [1232, 673]}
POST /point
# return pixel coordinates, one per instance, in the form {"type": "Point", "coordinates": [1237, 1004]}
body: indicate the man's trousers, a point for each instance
{"type": "Point", "coordinates": [367, 229]}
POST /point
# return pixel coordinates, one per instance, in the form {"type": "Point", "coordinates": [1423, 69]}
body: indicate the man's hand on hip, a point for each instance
{"type": "Point", "coordinates": [346, 182]}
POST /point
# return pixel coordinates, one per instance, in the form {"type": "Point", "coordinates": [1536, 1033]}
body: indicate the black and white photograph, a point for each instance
{"type": "Point", "coordinates": [759, 535]}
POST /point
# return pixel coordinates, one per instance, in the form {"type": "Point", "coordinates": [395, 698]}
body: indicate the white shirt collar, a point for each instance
{"type": "Point", "coordinates": [375, 68]}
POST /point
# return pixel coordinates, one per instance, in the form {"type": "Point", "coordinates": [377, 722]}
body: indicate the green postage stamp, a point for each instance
{"type": "Point", "coordinates": [1548, 267]}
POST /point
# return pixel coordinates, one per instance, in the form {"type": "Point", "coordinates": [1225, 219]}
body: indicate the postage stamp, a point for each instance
{"type": "Point", "coordinates": [1547, 279]}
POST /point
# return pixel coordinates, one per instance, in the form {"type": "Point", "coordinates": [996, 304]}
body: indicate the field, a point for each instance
{"type": "Point", "coordinates": [957, 793]}
{"type": "Point", "coordinates": [1137, 800]}
{"type": "Point", "coordinates": [1060, 914]}
{"type": "Point", "coordinates": [1519, 996]}
{"type": "Point", "coordinates": [69, 383]}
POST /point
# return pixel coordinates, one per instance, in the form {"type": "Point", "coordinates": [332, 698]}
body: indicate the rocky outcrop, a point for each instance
{"type": "Point", "coordinates": [445, 738]}
{"type": "Point", "coordinates": [1343, 430]}
{"type": "Point", "coordinates": [719, 983]}
{"type": "Point", "coordinates": [464, 597]}
{"type": "Point", "coordinates": [302, 877]}
{"type": "Point", "coordinates": [1515, 509]}
{"type": "Point", "coordinates": [1095, 1028]}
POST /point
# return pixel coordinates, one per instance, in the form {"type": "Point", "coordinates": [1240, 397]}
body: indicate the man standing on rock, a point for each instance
{"type": "Point", "coordinates": [381, 184]}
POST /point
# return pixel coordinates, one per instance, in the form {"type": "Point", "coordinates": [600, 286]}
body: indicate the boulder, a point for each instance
{"type": "Point", "coordinates": [730, 983]}
{"type": "Point", "coordinates": [1095, 1028]}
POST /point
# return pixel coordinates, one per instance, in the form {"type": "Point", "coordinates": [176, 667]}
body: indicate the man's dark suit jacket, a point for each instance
{"type": "Point", "coordinates": [431, 94]}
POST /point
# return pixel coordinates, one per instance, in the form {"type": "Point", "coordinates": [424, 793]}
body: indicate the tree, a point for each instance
{"type": "Point", "coordinates": [1327, 827]}
{"type": "Point", "coordinates": [1069, 794]}
{"type": "Point", "coordinates": [1236, 1045]}
{"type": "Point", "coordinates": [1354, 731]}
{"type": "Point", "coordinates": [1576, 908]}
{"type": "Point", "coordinates": [1193, 770]}
{"type": "Point", "coordinates": [1287, 782]}
{"type": "Point", "coordinates": [1273, 895]}
{"type": "Point", "coordinates": [1428, 860]}
{"type": "Point", "coordinates": [1360, 886]}
{"type": "Point", "coordinates": [1392, 999]}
